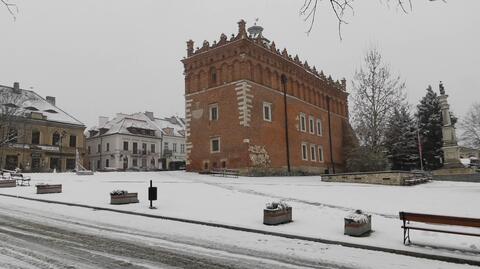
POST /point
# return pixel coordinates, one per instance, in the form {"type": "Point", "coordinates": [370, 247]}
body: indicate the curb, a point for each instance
{"type": "Point", "coordinates": [257, 231]}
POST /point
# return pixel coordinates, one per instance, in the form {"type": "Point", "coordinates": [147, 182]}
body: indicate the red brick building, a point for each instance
{"type": "Point", "coordinates": [235, 94]}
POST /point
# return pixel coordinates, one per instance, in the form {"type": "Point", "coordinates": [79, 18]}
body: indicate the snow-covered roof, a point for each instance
{"type": "Point", "coordinates": [123, 124]}
{"type": "Point", "coordinates": [26, 102]}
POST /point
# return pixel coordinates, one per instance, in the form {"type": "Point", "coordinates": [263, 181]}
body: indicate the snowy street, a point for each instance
{"type": "Point", "coordinates": [39, 235]}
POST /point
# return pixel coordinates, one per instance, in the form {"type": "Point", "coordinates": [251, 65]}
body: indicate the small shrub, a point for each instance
{"type": "Point", "coordinates": [118, 192]}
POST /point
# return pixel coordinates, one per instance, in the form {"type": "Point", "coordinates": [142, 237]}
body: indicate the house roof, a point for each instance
{"type": "Point", "coordinates": [121, 124]}
{"type": "Point", "coordinates": [25, 102]}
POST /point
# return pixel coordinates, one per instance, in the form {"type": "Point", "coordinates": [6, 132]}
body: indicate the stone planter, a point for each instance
{"type": "Point", "coordinates": [49, 188]}
{"type": "Point", "coordinates": [277, 216]}
{"type": "Point", "coordinates": [358, 224]}
{"type": "Point", "coordinates": [8, 183]}
{"type": "Point", "coordinates": [127, 198]}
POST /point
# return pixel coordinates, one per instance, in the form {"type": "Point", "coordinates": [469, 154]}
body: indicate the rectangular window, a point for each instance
{"type": "Point", "coordinates": [165, 146]}
{"type": "Point", "coordinates": [152, 148]}
{"type": "Point", "coordinates": [267, 111]}
{"type": "Point", "coordinates": [313, 153]}
{"type": "Point", "coordinates": [13, 136]}
{"type": "Point", "coordinates": [89, 150]}
{"type": "Point", "coordinates": [311, 123]}
{"type": "Point", "coordinates": [135, 148]}
{"type": "Point", "coordinates": [304, 152]}
{"type": "Point", "coordinates": [70, 164]}
{"type": "Point", "coordinates": [107, 163]}
{"type": "Point", "coordinates": [134, 162]}
{"type": "Point", "coordinates": [35, 137]}
{"type": "Point", "coordinates": [174, 147]}
{"type": "Point", "coordinates": [213, 111]}
{"type": "Point", "coordinates": [108, 147]}
{"type": "Point", "coordinates": [125, 145]}
{"type": "Point", "coordinates": [144, 148]}
{"type": "Point", "coordinates": [215, 145]}
{"type": "Point", "coordinates": [319, 127]}
{"type": "Point", "coordinates": [182, 148]}
{"type": "Point", "coordinates": [73, 141]}
{"type": "Point", "coordinates": [303, 122]}
{"type": "Point", "coordinates": [98, 164]}
{"type": "Point", "coordinates": [320, 153]}
{"type": "Point", "coordinates": [99, 148]}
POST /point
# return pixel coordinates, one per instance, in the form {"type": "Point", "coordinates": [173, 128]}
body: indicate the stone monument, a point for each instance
{"type": "Point", "coordinates": [451, 150]}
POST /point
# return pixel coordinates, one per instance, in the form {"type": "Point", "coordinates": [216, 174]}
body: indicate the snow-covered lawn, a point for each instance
{"type": "Point", "coordinates": [318, 207]}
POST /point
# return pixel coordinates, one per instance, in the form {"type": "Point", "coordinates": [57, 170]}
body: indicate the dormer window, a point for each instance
{"type": "Point", "coordinates": [31, 108]}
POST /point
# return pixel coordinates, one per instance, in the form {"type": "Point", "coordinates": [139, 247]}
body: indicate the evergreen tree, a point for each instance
{"type": "Point", "coordinates": [429, 118]}
{"type": "Point", "coordinates": [401, 140]}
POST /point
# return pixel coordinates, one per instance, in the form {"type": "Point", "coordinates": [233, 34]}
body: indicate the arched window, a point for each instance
{"type": "Point", "coordinates": [213, 77]}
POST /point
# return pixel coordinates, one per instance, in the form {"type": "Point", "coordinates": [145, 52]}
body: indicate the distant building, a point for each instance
{"type": "Point", "coordinates": [135, 141]}
{"type": "Point", "coordinates": [251, 106]}
{"type": "Point", "coordinates": [36, 135]}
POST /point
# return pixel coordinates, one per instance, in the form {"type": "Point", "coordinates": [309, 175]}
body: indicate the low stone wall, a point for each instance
{"type": "Point", "coordinates": [400, 178]}
{"type": "Point", "coordinates": [460, 178]}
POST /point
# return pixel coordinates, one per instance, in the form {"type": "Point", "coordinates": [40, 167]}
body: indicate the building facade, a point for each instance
{"type": "Point", "coordinates": [251, 106]}
{"type": "Point", "coordinates": [36, 135]}
{"type": "Point", "coordinates": [132, 142]}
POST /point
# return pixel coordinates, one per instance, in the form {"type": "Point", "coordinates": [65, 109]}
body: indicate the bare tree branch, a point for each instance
{"type": "Point", "coordinates": [339, 9]}
{"type": "Point", "coordinates": [11, 7]}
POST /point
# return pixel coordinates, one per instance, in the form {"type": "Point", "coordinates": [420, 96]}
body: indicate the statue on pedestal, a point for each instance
{"type": "Point", "coordinates": [451, 151]}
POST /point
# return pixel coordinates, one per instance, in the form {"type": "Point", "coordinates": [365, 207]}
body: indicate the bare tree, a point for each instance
{"type": "Point", "coordinates": [11, 7]}
{"type": "Point", "coordinates": [340, 8]}
{"type": "Point", "coordinates": [10, 110]}
{"type": "Point", "coordinates": [376, 92]}
{"type": "Point", "coordinates": [471, 127]}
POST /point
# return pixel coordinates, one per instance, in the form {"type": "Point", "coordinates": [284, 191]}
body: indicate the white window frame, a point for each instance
{"type": "Point", "coordinates": [304, 151]}
{"type": "Point", "coordinates": [211, 144]}
{"type": "Point", "coordinates": [210, 114]}
{"type": "Point", "coordinates": [313, 153]}
{"type": "Point", "coordinates": [311, 124]}
{"type": "Point", "coordinates": [269, 106]}
{"type": "Point", "coordinates": [182, 148]}
{"type": "Point", "coordinates": [303, 122]}
{"type": "Point", "coordinates": [320, 154]}
{"type": "Point", "coordinates": [319, 127]}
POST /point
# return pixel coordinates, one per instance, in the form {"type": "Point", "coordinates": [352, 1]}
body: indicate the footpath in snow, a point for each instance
{"type": "Point", "coordinates": [318, 207]}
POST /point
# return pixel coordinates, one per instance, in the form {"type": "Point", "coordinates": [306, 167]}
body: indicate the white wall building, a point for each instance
{"type": "Point", "coordinates": [134, 141]}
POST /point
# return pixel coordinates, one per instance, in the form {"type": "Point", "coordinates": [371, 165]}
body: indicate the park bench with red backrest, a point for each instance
{"type": "Point", "coordinates": [408, 217]}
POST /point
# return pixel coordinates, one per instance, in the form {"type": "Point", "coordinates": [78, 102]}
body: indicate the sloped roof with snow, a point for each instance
{"type": "Point", "coordinates": [121, 124]}
{"type": "Point", "coordinates": [25, 102]}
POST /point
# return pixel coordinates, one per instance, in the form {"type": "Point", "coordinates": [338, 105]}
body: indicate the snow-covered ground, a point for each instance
{"type": "Point", "coordinates": [39, 235]}
{"type": "Point", "coordinates": [318, 207]}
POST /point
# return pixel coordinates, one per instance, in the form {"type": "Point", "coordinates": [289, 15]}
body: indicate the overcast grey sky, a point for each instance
{"type": "Point", "coordinates": [103, 57]}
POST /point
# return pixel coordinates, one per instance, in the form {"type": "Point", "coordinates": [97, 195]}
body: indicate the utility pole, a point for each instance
{"type": "Point", "coordinates": [284, 83]}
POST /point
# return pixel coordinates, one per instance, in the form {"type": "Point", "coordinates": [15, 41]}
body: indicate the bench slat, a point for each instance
{"type": "Point", "coordinates": [438, 219]}
{"type": "Point", "coordinates": [439, 231]}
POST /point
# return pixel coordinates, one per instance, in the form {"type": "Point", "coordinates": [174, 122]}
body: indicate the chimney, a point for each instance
{"type": "Point", "coordinates": [16, 87]}
{"type": "Point", "coordinates": [149, 115]}
{"type": "Point", "coordinates": [102, 121]}
{"type": "Point", "coordinates": [50, 100]}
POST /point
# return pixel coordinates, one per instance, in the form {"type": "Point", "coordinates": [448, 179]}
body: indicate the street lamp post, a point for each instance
{"type": "Point", "coordinates": [284, 83]}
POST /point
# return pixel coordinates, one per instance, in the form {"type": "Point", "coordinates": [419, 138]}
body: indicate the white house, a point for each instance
{"type": "Point", "coordinates": [134, 141]}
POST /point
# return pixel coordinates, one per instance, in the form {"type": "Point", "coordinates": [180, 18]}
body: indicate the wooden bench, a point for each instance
{"type": "Point", "coordinates": [224, 172]}
{"type": "Point", "coordinates": [21, 180]}
{"type": "Point", "coordinates": [408, 217]}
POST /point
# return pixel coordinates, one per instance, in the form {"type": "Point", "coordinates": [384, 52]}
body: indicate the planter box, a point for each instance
{"type": "Point", "coordinates": [275, 217]}
{"type": "Point", "coordinates": [358, 228]}
{"type": "Point", "coordinates": [47, 188]}
{"type": "Point", "coordinates": [8, 183]}
{"type": "Point", "coordinates": [124, 198]}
